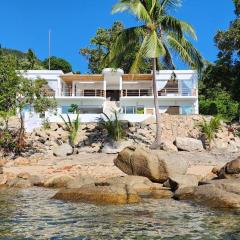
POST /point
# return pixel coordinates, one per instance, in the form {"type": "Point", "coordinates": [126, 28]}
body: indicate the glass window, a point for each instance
{"type": "Point", "coordinates": [140, 110]}
{"type": "Point", "coordinates": [130, 110]}
{"type": "Point", "coordinates": [65, 109]}
{"type": "Point", "coordinates": [186, 110]}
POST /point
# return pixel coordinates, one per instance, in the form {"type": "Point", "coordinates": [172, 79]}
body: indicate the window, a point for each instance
{"type": "Point", "coordinates": [186, 110]}
{"type": "Point", "coordinates": [133, 110]}
{"type": "Point", "coordinates": [140, 110]}
{"type": "Point", "coordinates": [65, 109]}
{"type": "Point", "coordinates": [130, 110]}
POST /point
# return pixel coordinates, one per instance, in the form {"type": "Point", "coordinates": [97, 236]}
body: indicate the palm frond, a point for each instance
{"type": "Point", "coordinates": [166, 4]}
{"type": "Point", "coordinates": [134, 6]}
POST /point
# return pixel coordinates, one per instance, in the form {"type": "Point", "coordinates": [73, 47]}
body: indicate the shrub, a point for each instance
{"type": "Point", "coordinates": [210, 128]}
{"type": "Point", "coordinates": [46, 123]}
{"type": "Point", "coordinates": [113, 126]}
{"type": "Point", "coordinates": [73, 128]}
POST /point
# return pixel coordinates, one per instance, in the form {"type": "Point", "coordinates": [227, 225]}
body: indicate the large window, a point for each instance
{"type": "Point", "coordinates": [133, 110]}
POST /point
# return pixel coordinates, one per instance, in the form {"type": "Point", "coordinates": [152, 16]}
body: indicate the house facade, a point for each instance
{"type": "Point", "coordinates": [131, 94]}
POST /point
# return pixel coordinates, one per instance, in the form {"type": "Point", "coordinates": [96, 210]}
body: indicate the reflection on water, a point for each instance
{"type": "Point", "coordinates": [32, 214]}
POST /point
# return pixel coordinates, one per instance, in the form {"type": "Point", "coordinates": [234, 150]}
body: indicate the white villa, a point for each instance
{"type": "Point", "coordinates": [131, 93]}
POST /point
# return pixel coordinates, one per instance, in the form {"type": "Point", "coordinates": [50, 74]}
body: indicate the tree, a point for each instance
{"type": "Point", "coordinates": [31, 56]}
{"type": "Point", "coordinates": [58, 64]}
{"type": "Point", "coordinates": [159, 35]}
{"type": "Point", "coordinates": [223, 75]}
{"type": "Point", "coordinates": [100, 46]}
{"type": "Point", "coordinates": [17, 92]}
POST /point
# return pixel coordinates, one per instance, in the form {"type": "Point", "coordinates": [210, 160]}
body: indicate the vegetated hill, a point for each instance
{"type": "Point", "coordinates": [24, 60]}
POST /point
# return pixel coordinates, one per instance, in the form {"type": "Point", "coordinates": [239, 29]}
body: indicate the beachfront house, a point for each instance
{"type": "Point", "coordinates": [131, 94]}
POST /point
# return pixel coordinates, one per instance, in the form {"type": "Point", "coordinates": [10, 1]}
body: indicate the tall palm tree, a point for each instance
{"type": "Point", "coordinates": [159, 36]}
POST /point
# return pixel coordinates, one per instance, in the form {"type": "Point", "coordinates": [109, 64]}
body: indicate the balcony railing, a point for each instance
{"type": "Point", "coordinates": [85, 93]}
{"type": "Point", "coordinates": [163, 92]}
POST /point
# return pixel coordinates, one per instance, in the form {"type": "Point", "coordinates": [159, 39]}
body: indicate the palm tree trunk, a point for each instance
{"type": "Point", "coordinates": [157, 142]}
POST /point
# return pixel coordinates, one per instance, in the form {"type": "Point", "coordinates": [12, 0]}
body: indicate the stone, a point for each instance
{"type": "Point", "coordinates": [148, 121]}
{"type": "Point", "coordinates": [80, 181]}
{"type": "Point", "coordinates": [1, 170]}
{"type": "Point", "coordinates": [168, 146]}
{"type": "Point", "coordinates": [62, 150]}
{"type": "Point", "coordinates": [2, 162]}
{"type": "Point", "coordinates": [230, 170]}
{"type": "Point", "coordinates": [182, 181]}
{"type": "Point", "coordinates": [188, 144]}
{"type": "Point", "coordinates": [19, 183]}
{"type": "Point", "coordinates": [161, 194]}
{"type": "Point", "coordinates": [24, 175]}
{"type": "Point", "coordinates": [20, 161]}
{"type": "Point", "coordinates": [115, 147]}
{"type": "Point", "coordinates": [151, 164]}
{"type": "Point", "coordinates": [58, 181]}
{"type": "Point", "coordinates": [100, 193]}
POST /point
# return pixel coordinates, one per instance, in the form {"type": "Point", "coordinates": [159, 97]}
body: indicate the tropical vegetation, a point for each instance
{"type": "Point", "coordinates": [159, 35]}
{"type": "Point", "coordinates": [113, 125]}
{"type": "Point", "coordinates": [220, 85]}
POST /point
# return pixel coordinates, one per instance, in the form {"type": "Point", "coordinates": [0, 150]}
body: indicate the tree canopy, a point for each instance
{"type": "Point", "coordinates": [58, 64]}
{"type": "Point", "coordinates": [100, 46]}
{"type": "Point", "coordinates": [222, 78]}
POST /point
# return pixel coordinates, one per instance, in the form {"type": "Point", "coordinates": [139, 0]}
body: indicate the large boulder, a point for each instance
{"type": "Point", "coordinates": [231, 170]}
{"type": "Point", "coordinates": [115, 147]}
{"type": "Point", "coordinates": [101, 193]}
{"type": "Point", "coordinates": [217, 193]}
{"type": "Point", "coordinates": [152, 164]}
{"type": "Point", "coordinates": [58, 181]}
{"type": "Point", "coordinates": [182, 181]}
{"type": "Point", "coordinates": [62, 150]}
{"type": "Point", "coordinates": [80, 181]}
{"type": "Point", "coordinates": [188, 144]}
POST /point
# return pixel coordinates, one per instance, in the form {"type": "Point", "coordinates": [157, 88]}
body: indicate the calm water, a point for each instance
{"type": "Point", "coordinates": [31, 214]}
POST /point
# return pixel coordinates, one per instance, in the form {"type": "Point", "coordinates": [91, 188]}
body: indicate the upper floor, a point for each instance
{"type": "Point", "coordinates": [113, 84]}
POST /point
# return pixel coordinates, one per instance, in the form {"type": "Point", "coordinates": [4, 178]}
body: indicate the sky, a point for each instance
{"type": "Point", "coordinates": [25, 24]}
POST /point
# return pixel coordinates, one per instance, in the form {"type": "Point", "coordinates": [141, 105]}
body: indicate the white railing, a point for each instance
{"type": "Point", "coordinates": [85, 93]}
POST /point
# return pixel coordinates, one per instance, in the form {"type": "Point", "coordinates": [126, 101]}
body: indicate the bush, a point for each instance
{"type": "Point", "coordinates": [210, 128]}
{"type": "Point", "coordinates": [221, 104]}
{"type": "Point", "coordinates": [73, 128]}
{"type": "Point", "coordinates": [112, 125]}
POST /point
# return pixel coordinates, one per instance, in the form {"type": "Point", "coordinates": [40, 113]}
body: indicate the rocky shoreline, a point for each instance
{"type": "Point", "coordinates": [101, 171]}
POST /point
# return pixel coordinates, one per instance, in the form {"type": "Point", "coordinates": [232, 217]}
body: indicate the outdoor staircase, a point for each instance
{"type": "Point", "coordinates": [110, 107]}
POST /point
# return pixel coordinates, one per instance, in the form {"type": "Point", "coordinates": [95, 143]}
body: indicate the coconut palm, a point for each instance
{"type": "Point", "coordinates": [159, 36]}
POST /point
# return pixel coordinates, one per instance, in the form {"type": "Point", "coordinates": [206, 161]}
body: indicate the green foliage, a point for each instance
{"type": "Point", "coordinates": [100, 46]}
{"type": "Point", "coordinates": [220, 103]}
{"type": "Point", "coordinates": [58, 64]}
{"type": "Point", "coordinates": [112, 125]}
{"type": "Point", "coordinates": [159, 37]}
{"type": "Point", "coordinates": [7, 141]}
{"type": "Point", "coordinates": [46, 124]}
{"type": "Point", "coordinates": [74, 108]}
{"type": "Point", "coordinates": [73, 128]}
{"type": "Point", "coordinates": [210, 128]}
{"type": "Point", "coordinates": [220, 85]}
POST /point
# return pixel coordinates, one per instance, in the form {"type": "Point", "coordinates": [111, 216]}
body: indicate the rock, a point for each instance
{"type": "Point", "coordinates": [148, 121]}
{"type": "Point", "coordinates": [115, 147]}
{"type": "Point", "coordinates": [163, 193]}
{"type": "Point", "coordinates": [2, 162]}
{"type": "Point", "coordinates": [217, 193]}
{"type": "Point", "coordinates": [188, 144]}
{"type": "Point", "coordinates": [58, 181]}
{"type": "Point", "coordinates": [19, 183]}
{"type": "Point", "coordinates": [80, 181]}
{"type": "Point", "coordinates": [62, 150]}
{"type": "Point", "coordinates": [151, 164]}
{"type": "Point", "coordinates": [203, 171]}
{"type": "Point", "coordinates": [20, 161]}
{"type": "Point", "coordinates": [168, 146]}
{"type": "Point", "coordinates": [231, 170]}
{"type": "Point", "coordinates": [1, 170]}
{"type": "Point", "coordinates": [101, 193]}
{"type": "Point", "coordinates": [182, 181]}
{"type": "Point", "coordinates": [3, 179]}
{"type": "Point", "coordinates": [24, 175]}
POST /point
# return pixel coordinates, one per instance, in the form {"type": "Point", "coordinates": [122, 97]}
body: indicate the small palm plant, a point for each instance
{"type": "Point", "coordinates": [73, 128]}
{"type": "Point", "coordinates": [112, 125]}
{"type": "Point", "coordinates": [210, 128]}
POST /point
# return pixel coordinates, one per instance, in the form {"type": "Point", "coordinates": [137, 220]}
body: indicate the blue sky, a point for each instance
{"type": "Point", "coordinates": [25, 23]}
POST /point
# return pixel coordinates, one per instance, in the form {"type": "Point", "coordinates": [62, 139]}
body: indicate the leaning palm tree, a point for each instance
{"type": "Point", "coordinates": [159, 36]}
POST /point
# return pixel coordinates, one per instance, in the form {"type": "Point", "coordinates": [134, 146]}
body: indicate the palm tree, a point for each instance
{"type": "Point", "coordinates": [159, 36]}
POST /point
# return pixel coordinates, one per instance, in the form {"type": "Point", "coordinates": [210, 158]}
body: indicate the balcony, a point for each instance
{"type": "Point", "coordinates": [84, 93]}
{"type": "Point", "coordinates": [163, 93]}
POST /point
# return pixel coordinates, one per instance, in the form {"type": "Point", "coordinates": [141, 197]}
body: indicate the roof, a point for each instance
{"type": "Point", "coordinates": [137, 77]}
{"type": "Point", "coordinates": [82, 77]}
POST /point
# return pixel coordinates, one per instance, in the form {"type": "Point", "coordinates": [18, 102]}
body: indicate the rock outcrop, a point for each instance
{"type": "Point", "coordinates": [231, 170]}
{"type": "Point", "coordinates": [150, 164]}
{"type": "Point", "coordinates": [188, 144]}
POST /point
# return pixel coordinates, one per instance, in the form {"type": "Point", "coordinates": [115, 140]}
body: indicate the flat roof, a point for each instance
{"type": "Point", "coordinates": [82, 77]}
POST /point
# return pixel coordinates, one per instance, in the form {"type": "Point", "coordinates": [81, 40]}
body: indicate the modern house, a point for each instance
{"type": "Point", "coordinates": [132, 94]}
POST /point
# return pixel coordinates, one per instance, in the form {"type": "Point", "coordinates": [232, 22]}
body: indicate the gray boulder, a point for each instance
{"type": "Point", "coordinates": [152, 164]}
{"type": "Point", "coordinates": [188, 144]}
{"type": "Point", "coordinates": [62, 150]}
{"type": "Point", "coordinates": [217, 193]}
{"type": "Point", "coordinates": [231, 170]}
